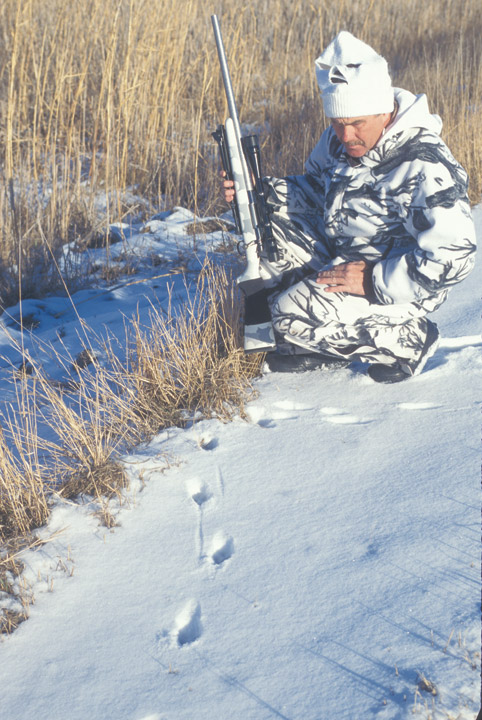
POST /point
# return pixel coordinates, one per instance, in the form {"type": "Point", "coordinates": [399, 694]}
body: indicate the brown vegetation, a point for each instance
{"type": "Point", "coordinates": [99, 97]}
{"type": "Point", "coordinates": [183, 363]}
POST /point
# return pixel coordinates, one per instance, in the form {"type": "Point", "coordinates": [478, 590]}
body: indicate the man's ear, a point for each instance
{"type": "Point", "coordinates": [386, 119]}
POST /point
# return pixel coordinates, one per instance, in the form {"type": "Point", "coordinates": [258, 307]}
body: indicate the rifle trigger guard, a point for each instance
{"type": "Point", "coordinates": [241, 247]}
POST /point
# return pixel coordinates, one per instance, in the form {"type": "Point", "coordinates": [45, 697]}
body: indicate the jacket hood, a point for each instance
{"type": "Point", "coordinates": [412, 112]}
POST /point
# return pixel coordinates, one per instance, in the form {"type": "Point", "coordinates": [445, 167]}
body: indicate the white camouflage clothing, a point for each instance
{"type": "Point", "coordinates": [403, 208]}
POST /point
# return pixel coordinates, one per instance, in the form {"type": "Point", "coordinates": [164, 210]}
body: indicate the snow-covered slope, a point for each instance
{"type": "Point", "coordinates": [316, 562]}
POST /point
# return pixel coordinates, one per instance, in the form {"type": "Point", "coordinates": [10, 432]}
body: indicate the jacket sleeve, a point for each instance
{"type": "Point", "coordinates": [300, 194]}
{"type": "Point", "coordinates": [436, 213]}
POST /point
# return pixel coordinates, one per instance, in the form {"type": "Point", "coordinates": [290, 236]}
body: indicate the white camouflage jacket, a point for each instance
{"type": "Point", "coordinates": [402, 207]}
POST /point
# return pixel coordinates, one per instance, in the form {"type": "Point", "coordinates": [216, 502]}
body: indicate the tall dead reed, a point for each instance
{"type": "Point", "coordinates": [99, 99]}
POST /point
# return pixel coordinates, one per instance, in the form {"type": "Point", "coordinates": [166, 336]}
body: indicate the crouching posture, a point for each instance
{"type": "Point", "coordinates": [373, 234]}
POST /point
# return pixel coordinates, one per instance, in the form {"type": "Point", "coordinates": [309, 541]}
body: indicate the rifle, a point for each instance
{"type": "Point", "coordinates": [241, 161]}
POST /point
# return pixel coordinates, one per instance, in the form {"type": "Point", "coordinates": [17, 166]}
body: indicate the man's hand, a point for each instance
{"type": "Point", "coordinates": [350, 277]}
{"type": "Point", "coordinates": [228, 188]}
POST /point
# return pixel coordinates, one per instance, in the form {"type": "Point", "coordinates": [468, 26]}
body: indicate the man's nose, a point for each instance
{"type": "Point", "coordinates": [347, 134]}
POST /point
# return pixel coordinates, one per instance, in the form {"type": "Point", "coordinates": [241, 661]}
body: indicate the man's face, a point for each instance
{"type": "Point", "coordinates": [360, 134]}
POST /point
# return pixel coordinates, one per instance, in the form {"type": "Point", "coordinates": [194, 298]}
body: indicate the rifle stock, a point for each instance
{"type": "Point", "coordinates": [240, 158]}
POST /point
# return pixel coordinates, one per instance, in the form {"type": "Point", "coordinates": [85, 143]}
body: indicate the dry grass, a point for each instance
{"type": "Point", "coordinates": [68, 439]}
{"type": "Point", "coordinates": [185, 364]}
{"type": "Point", "coordinates": [92, 425]}
{"type": "Point", "coordinates": [10, 570]}
{"type": "Point", "coordinates": [97, 98]}
{"type": "Point", "coordinates": [101, 98]}
{"type": "Point", "coordinates": [23, 476]}
{"type": "Point", "coordinates": [190, 362]}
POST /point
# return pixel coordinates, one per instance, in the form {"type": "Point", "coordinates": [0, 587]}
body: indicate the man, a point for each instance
{"type": "Point", "coordinates": [375, 232]}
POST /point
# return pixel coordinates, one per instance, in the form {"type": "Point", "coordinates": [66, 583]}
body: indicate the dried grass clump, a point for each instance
{"type": "Point", "coordinates": [23, 507]}
{"type": "Point", "coordinates": [189, 361]}
{"type": "Point", "coordinates": [23, 493]}
{"type": "Point", "coordinates": [10, 570]}
{"type": "Point", "coordinates": [186, 364]}
{"type": "Point", "coordinates": [10, 620]}
{"type": "Point", "coordinates": [99, 481]}
{"type": "Point", "coordinates": [92, 425]}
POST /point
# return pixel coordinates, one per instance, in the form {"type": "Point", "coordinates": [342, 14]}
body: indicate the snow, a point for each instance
{"type": "Point", "coordinates": [311, 563]}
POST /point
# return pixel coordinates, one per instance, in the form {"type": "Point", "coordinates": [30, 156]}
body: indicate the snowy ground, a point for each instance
{"type": "Point", "coordinates": [313, 563]}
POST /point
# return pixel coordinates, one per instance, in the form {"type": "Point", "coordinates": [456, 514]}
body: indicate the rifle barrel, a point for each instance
{"type": "Point", "coordinates": [228, 86]}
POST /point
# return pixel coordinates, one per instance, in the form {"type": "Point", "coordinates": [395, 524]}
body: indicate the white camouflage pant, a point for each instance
{"type": "Point", "coordinates": [306, 318]}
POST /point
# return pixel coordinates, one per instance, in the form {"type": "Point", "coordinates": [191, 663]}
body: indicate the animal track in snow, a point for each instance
{"type": "Point", "coordinates": [257, 415]}
{"type": "Point", "coordinates": [282, 410]}
{"type": "Point", "coordinates": [340, 417]}
{"type": "Point", "coordinates": [418, 406]}
{"type": "Point", "coordinates": [200, 492]}
{"type": "Point", "coordinates": [343, 419]}
{"type": "Point", "coordinates": [222, 548]}
{"type": "Point", "coordinates": [209, 443]}
{"type": "Point", "coordinates": [220, 480]}
{"type": "Point", "coordinates": [188, 624]}
{"type": "Point", "coordinates": [460, 342]}
{"type": "Point", "coordinates": [291, 405]}
{"type": "Point", "coordinates": [331, 411]}
{"type": "Point", "coordinates": [267, 423]}
{"type": "Point", "coordinates": [372, 549]}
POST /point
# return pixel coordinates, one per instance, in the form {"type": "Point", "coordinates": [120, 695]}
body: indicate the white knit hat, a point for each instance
{"type": "Point", "coordinates": [353, 79]}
